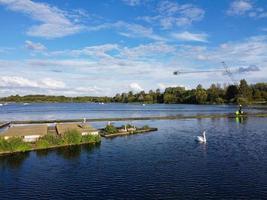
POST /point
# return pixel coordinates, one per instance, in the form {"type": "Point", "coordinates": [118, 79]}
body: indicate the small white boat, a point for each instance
{"type": "Point", "coordinates": [202, 139]}
{"type": "Point", "coordinates": [143, 104]}
{"type": "Point", "coordinates": [1, 104]}
{"type": "Point", "coordinates": [25, 104]}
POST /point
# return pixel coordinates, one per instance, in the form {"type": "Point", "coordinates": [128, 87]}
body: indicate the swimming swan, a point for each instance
{"type": "Point", "coordinates": [202, 139]}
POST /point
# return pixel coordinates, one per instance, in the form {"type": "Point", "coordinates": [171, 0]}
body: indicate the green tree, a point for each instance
{"type": "Point", "coordinates": [231, 93]}
{"type": "Point", "coordinates": [201, 95]}
{"type": "Point", "coordinates": [244, 90]}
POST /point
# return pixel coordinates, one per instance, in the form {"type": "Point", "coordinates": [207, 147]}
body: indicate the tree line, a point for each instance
{"type": "Point", "coordinates": [241, 93]}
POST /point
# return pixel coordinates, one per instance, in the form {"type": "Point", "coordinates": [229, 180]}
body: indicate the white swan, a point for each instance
{"type": "Point", "coordinates": [202, 139]}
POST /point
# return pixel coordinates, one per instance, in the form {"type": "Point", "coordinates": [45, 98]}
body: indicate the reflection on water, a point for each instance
{"type": "Point", "coordinates": [241, 119]}
{"type": "Point", "coordinates": [13, 161]}
{"type": "Point", "coordinates": [69, 152]}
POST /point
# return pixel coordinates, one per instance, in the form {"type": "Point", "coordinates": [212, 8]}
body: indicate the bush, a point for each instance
{"type": "Point", "coordinates": [72, 137]}
{"type": "Point", "coordinates": [129, 126]}
{"type": "Point", "coordinates": [145, 127]}
{"type": "Point", "coordinates": [52, 139]}
{"type": "Point", "coordinates": [4, 145]}
{"type": "Point", "coordinates": [219, 100]}
{"type": "Point", "coordinates": [42, 143]}
{"type": "Point", "coordinates": [91, 138]}
{"type": "Point", "coordinates": [111, 129]}
{"type": "Point", "coordinates": [242, 101]}
{"type": "Point", "coordinates": [17, 144]}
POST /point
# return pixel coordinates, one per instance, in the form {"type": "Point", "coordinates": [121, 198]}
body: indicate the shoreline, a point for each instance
{"type": "Point", "coordinates": [5, 153]}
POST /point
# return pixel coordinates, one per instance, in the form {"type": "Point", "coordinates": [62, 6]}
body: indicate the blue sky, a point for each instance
{"type": "Point", "coordinates": [80, 47]}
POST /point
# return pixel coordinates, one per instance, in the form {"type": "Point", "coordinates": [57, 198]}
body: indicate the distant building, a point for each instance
{"type": "Point", "coordinates": [27, 133]}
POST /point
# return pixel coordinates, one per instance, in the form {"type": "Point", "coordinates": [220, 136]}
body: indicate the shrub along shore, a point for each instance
{"type": "Point", "coordinates": [71, 137]}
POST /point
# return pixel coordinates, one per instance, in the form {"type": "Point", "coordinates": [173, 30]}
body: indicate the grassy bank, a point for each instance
{"type": "Point", "coordinates": [71, 137]}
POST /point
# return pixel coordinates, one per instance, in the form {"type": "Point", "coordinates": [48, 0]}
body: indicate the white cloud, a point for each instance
{"type": "Point", "coordinates": [110, 68]}
{"type": "Point", "coordinates": [246, 58]}
{"type": "Point", "coordinates": [52, 84]}
{"type": "Point", "coordinates": [157, 49]}
{"type": "Point", "coordinates": [34, 46]}
{"type": "Point", "coordinates": [187, 36]}
{"type": "Point", "coordinates": [22, 82]}
{"type": "Point", "coordinates": [239, 7]}
{"type": "Point", "coordinates": [23, 86]}
{"type": "Point", "coordinates": [95, 52]}
{"type": "Point", "coordinates": [172, 14]}
{"type": "Point", "coordinates": [135, 87]}
{"type": "Point", "coordinates": [246, 8]}
{"type": "Point", "coordinates": [53, 21]}
{"type": "Point", "coordinates": [129, 30]}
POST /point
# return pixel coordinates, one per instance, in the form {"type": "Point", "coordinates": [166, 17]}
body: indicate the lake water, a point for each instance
{"type": "Point", "coordinates": [49, 111]}
{"type": "Point", "coordinates": [166, 164]}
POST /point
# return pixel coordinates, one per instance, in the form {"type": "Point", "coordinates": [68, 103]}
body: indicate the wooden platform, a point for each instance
{"type": "Point", "coordinates": [28, 130]}
{"type": "Point", "coordinates": [83, 129]}
{"type": "Point", "coordinates": [138, 131]}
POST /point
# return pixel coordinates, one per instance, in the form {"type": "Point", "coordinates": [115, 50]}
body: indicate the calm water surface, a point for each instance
{"type": "Point", "coordinates": [37, 111]}
{"type": "Point", "coordinates": [167, 164]}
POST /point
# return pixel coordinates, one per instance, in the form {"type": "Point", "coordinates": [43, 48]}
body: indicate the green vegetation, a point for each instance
{"type": "Point", "coordinates": [52, 139]}
{"type": "Point", "coordinates": [215, 94]}
{"type": "Point", "coordinates": [42, 143]}
{"type": "Point", "coordinates": [4, 145]}
{"type": "Point", "coordinates": [128, 126]}
{"type": "Point", "coordinates": [91, 138]}
{"type": "Point", "coordinates": [71, 137]}
{"type": "Point", "coordinates": [110, 129]}
{"type": "Point", "coordinates": [14, 144]}
{"type": "Point", "coordinates": [145, 127]}
{"type": "Point", "coordinates": [52, 99]}
{"type": "Point", "coordinates": [49, 140]}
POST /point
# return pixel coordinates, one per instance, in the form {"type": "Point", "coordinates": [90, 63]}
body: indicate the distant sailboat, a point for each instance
{"type": "Point", "coordinates": [1, 104]}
